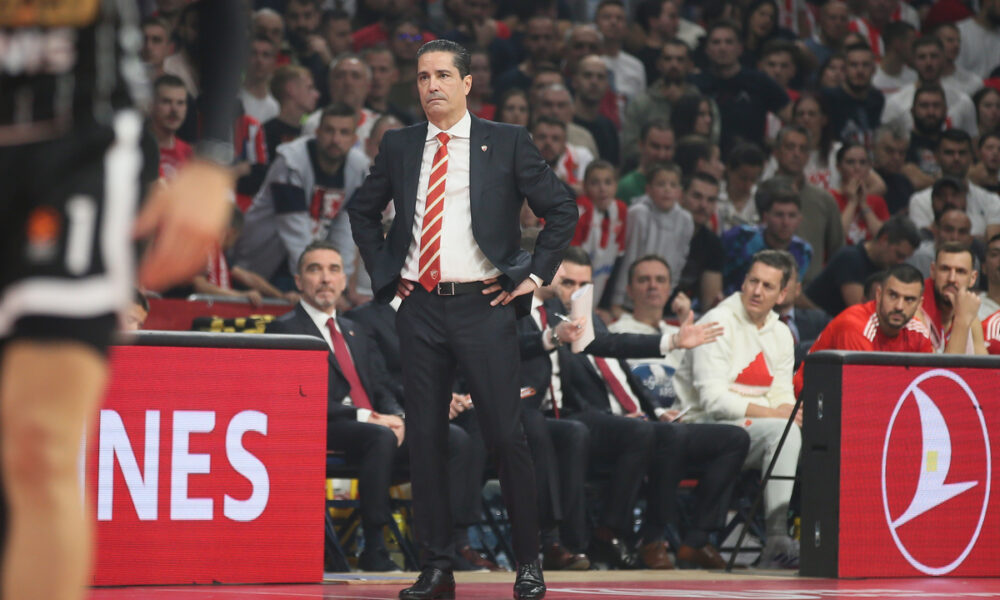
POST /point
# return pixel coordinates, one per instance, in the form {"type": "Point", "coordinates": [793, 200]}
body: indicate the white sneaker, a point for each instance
{"type": "Point", "coordinates": [780, 552]}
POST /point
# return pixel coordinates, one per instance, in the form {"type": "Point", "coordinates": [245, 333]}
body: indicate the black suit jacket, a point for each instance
{"type": "Point", "coordinates": [380, 320]}
{"type": "Point", "coordinates": [504, 168]}
{"type": "Point", "coordinates": [367, 361]}
{"type": "Point", "coordinates": [582, 384]}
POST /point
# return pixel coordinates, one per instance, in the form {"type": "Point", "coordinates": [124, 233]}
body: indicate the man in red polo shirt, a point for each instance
{"type": "Point", "coordinates": [885, 324]}
{"type": "Point", "coordinates": [951, 311]}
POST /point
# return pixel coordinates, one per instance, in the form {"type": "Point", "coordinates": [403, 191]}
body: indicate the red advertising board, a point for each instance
{"type": "Point", "coordinates": [207, 465]}
{"type": "Point", "coordinates": [918, 493]}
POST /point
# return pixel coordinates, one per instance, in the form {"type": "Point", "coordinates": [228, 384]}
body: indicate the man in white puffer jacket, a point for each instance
{"type": "Point", "coordinates": [745, 379]}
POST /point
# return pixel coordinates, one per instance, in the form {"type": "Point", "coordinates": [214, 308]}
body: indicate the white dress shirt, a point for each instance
{"type": "Point", "coordinates": [461, 258]}
{"type": "Point", "coordinates": [554, 391]}
{"type": "Point", "coordinates": [320, 318]}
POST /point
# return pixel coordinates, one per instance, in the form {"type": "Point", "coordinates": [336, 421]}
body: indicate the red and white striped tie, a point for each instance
{"type": "Point", "coordinates": [430, 234]}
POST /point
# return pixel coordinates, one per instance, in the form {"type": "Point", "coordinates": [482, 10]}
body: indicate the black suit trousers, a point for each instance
{"type": "Point", "coordinates": [712, 453]}
{"type": "Point", "coordinates": [621, 447]}
{"type": "Point", "coordinates": [437, 335]}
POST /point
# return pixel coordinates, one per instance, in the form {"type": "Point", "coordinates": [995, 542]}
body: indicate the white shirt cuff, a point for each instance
{"type": "Point", "coordinates": [364, 414]}
{"type": "Point", "coordinates": [538, 280]}
{"type": "Point", "coordinates": [658, 411]}
{"type": "Point", "coordinates": [547, 339]}
{"type": "Point", "coordinates": [666, 343]}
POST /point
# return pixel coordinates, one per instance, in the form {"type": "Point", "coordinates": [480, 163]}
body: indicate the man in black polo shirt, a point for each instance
{"type": "Point", "coordinates": [856, 106]}
{"type": "Point", "coordinates": [744, 96]}
{"type": "Point", "coordinates": [590, 82]}
{"type": "Point", "coordinates": [841, 283]}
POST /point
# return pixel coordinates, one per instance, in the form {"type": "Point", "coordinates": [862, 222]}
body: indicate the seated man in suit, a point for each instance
{"type": "Point", "coordinates": [628, 426]}
{"type": "Point", "coordinates": [745, 379]}
{"type": "Point", "coordinates": [804, 323]}
{"type": "Point", "coordinates": [364, 417]}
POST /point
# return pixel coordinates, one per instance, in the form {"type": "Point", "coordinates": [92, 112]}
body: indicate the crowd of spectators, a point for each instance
{"type": "Point", "coordinates": [772, 166]}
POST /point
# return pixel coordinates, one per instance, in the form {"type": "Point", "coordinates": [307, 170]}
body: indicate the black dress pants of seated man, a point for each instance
{"type": "Point", "coordinates": [373, 450]}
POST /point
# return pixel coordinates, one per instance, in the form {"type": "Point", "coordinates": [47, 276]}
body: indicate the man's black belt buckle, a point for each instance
{"type": "Point", "coordinates": [452, 288]}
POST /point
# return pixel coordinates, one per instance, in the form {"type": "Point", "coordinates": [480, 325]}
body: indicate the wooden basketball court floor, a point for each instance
{"type": "Point", "coordinates": [587, 585]}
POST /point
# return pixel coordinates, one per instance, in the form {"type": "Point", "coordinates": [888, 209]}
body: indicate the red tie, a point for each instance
{"type": "Point", "coordinates": [544, 318]}
{"type": "Point", "coordinates": [430, 235]}
{"type": "Point", "coordinates": [358, 395]}
{"type": "Point", "coordinates": [617, 389]}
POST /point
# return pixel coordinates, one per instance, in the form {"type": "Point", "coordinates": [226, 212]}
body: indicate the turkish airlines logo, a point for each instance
{"type": "Point", "coordinates": [935, 513]}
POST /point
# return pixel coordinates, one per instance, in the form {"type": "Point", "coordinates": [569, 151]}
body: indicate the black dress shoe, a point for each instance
{"type": "Point", "coordinates": [431, 584]}
{"type": "Point", "coordinates": [529, 584]}
{"type": "Point", "coordinates": [613, 552]}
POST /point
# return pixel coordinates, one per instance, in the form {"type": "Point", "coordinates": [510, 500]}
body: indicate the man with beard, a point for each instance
{"type": "Point", "coordinates": [885, 324]}
{"type": "Point", "coordinates": [167, 115]}
{"type": "Point", "coordinates": [951, 312]}
{"type": "Point", "coordinates": [590, 82]}
{"type": "Point", "coordinates": [928, 113]}
{"type": "Point", "coordinates": [701, 278]}
{"type": "Point", "coordinates": [928, 60]}
{"type": "Point", "coordinates": [856, 105]}
{"type": "Point", "coordinates": [540, 39]}
{"type": "Point", "coordinates": [980, 51]}
{"type": "Point", "coordinates": [568, 163]}
{"type": "Point", "coordinates": [302, 199]}
{"type": "Point", "coordinates": [302, 18]}
{"type": "Point", "coordinates": [674, 65]}
{"type": "Point", "coordinates": [954, 155]}
{"type": "Point", "coordinates": [744, 96]}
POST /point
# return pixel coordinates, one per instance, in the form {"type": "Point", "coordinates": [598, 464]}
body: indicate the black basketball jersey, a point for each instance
{"type": "Point", "coordinates": [66, 64]}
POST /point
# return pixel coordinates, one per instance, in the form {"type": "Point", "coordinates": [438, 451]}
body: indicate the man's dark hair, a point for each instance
{"type": "Point", "coordinates": [603, 3]}
{"type": "Point", "coordinates": [896, 30]}
{"type": "Point", "coordinates": [577, 256]}
{"type": "Point", "coordinates": [927, 40]}
{"type": "Point", "coordinates": [646, 258]}
{"type": "Point", "coordinates": [652, 124]}
{"type": "Point", "coordinates": [676, 43]}
{"type": "Point", "coordinates": [339, 109]}
{"type": "Point", "coordinates": [779, 189]}
{"type": "Point", "coordinates": [947, 181]}
{"type": "Point", "coordinates": [955, 248]}
{"type": "Point", "coordinates": [333, 15]}
{"type": "Point", "coordinates": [745, 153]}
{"type": "Point", "coordinates": [647, 10]}
{"type": "Point", "coordinates": [995, 238]}
{"type": "Point", "coordinates": [957, 136]}
{"type": "Point", "coordinates": [316, 245]}
{"type": "Point", "coordinates": [724, 24]}
{"type": "Point", "coordinates": [900, 229]}
{"type": "Point", "coordinates": [858, 47]}
{"type": "Point", "coordinates": [691, 149]}
{"type": "Point", "coordinates": [778, 259]}
{"type": "Point", "coordinates": [700, 176]}
{"type": "Point", "coordinates": [986, 136]}
{"type": "Point", "coordinates": [168, 81]}
{"type": "Point", "coordinates": [929, 89]}
{"type": "Point", "coordinates": [460, 55]}
{"type": "Point", "coordinates": [262, 37]}
{"type": "Point", "coordinates": [847, 146]}
{"type": "Point", "coordinates": [547, 120]}
{"type": "Point", "coordinates": [904, 273]}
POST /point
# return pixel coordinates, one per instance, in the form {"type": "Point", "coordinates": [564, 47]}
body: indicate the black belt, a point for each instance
{"type": "Point", "coordinates": [452, 288]}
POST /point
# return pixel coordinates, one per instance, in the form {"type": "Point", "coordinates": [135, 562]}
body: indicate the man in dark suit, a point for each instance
{"type": "Point", "coordinates": [453, 252]}
{"type": "Point", "coordinates": [633, 433]}
{"type": "Point", "coordinates": [805, 323]}
{"type": "Point", "coordinates": [364, 417]}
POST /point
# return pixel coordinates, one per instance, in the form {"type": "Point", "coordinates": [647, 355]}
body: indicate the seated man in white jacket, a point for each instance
{"type": "Point", "coordinates": [745, 379]}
